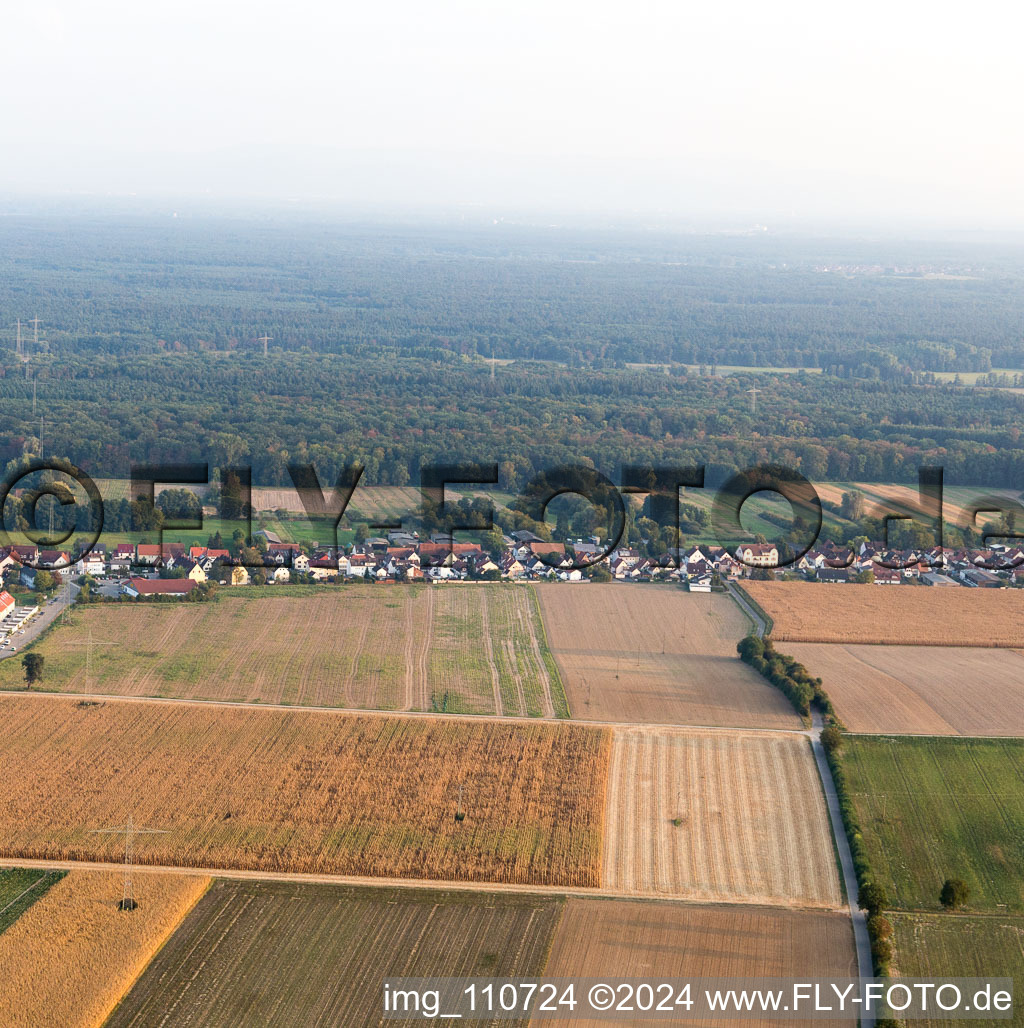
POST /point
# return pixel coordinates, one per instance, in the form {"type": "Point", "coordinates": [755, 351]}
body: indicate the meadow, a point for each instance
{"type": "Point", "coordinates": [932, 809]}
{"type": "Point", "coordinates": [961, 946]}
{"type": "Point", "coordinates": [457, 649]}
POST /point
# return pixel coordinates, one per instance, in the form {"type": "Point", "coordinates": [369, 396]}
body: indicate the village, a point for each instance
{"type": "Point", "coordinates": [174, 569]}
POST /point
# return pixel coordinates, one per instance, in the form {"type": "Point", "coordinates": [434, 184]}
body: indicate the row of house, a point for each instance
{"type": "Point", "coordinates": [524, 556]}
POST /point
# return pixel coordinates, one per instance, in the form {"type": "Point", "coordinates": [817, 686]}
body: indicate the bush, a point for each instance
{"type": "Point", "coordinates": [955, 893]}
{"type": "Point", "coordinates": [831, 738]}
{"type": "Point", "coordinates": [872, 898]}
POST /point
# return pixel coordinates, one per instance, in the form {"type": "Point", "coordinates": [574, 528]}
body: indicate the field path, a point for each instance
{"type": "Point", "coordinates": [547, 703]}
{"type": "Point", "coordinates": [433, 884]}
{"type": "Point", "coordinates": [423, 658]}
{"type": "Point", "coordinates": [492, 667]}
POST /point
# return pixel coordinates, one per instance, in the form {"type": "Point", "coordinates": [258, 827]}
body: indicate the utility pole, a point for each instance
{"type": "Point", "coordinates": [128, 902]}
{"type": "Point", "coordinates": [18, 344]}
{"type": "Point", "coordinates": [753, 399]}
{"type": "Point", "coordinates": [33, 396]}
{"type": "Point", "coordinates": [264, 339]}
{"type": "Point", "coordinates": [35, 335]}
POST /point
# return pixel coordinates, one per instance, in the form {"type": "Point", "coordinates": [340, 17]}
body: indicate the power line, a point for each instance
{"type": "Point", "coordinates": [130, 831]}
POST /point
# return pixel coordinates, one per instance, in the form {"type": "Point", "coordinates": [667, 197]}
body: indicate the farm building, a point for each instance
{"type": "Point", "coordinates": [179, 587]}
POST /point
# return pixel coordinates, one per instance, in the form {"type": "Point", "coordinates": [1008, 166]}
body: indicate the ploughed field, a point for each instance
{"type": "Point", "coordinates": [72, 955]}
{"type": "Point", "coordinates": [470, 649]}
{"type": "Point", "coordinates": [652, 940]}
{"type": "Point", "coordinates": [902, 614]}
{"type": "Point", "coordinates": [656, 654]}
{"type": "Point", "coordinates": [304, 791]}
{"type": "Point", "coordinates": [932, 809]}
{"type": "Point", "coordinates": [261, 953]}
{"type": "Point", "coordinates": [735, 817]}
{"type": "Point", "coordinates": [920, 690]}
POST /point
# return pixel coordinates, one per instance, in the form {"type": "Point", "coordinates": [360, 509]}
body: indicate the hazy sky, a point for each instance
{"type": "Point", "coordinates": [876, 111]}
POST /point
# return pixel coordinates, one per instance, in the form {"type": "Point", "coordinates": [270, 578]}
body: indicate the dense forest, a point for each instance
{"type": "Point", "coordinates": [379, 337]}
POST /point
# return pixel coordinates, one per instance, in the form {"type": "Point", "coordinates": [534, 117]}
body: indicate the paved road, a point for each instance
{"type": "Point", "coordinates": [48, 613]}
{"type": "Point", "coordinates": [865, 965]}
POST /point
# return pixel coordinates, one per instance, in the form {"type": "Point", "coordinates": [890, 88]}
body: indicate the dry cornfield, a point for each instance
{"type": "Point", "coordinates": [304, 791]}
{"type": "Point", "coordinates": [733, 817]}
{"type": "Point", "coordinates": [657, 941]}
{"type": "Point", "coordinates": [470, 649]}
{"type": "Point", "coordinates": [645, 653]}
{"type": "Point", "coordinates": [920, 690]}
{"type": "Point", "coordinates": [71, 956]}
{"type": "Point", "coordinates": [885, 614]}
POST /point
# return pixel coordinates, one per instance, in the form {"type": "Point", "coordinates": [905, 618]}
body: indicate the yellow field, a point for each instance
{"type": "Point", "coordinates": [468, 649]}
{"type": "Point", "coordinates": [920, 690]}
{"type": "Point", "coordinates": [307, 791]}
{"type": "Point", "coordinates": [71, 956]}
{"type": "Point", "coordinates": [902, 614]}
{"type": "Point", "coordinates": [656, 654]}
{"type": "Point", "coordinates": [753, 826]}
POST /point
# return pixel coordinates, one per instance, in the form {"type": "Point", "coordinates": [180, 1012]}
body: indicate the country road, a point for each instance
{"type": "Point", "coordinates": [363, 880]}
{"type": "Point", "coordinates": [865, 965]}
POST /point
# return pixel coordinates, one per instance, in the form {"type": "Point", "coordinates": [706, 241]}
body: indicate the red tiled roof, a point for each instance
{"type": "Point", "coordinates": [155, 586]}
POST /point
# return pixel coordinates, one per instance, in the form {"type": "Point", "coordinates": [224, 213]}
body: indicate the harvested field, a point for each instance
{"type": "Point", "coordinates": [304, 791]}
{"type": "Point", "coordinates": [669, 940]}
{"type": "Point", "coordinates": [19, 889]}
{"type": "Point", "coordinates": [259, 953]}
{"type": "Point", "coordinates": [920, 690]}
{"type": "Point", "coordinates": [940, 946]}
{"type": "Point", "coordinates": [467, 649]}
{"type": "Point", "coordinates": [907, 615]}
{"type": "Point", "coordinates": [656, 654]}
{"type": "Point", "coordinates": [70, 958]}
{"type": "Point", "coordinates": [753, 826]}
{"type": "Point", "coordinates": [931, 809]}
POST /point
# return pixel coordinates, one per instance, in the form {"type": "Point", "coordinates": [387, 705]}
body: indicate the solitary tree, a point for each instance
{"type": "Point", "coordinates": [955, 893]}
{"type": "Point", "coordinates": [33, 665]}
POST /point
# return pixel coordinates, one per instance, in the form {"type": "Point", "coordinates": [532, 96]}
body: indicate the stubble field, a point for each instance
{"type": "Point", "coordinates": [69, 958]}
{"type": "Point", "coordinates": [465, 649]}
{"type": "Point", "coordinates": [304, 791]}
{"type": "Point", "coordinates": [656, 654]}
{"type": "Point", "coordinates": [669, 940]}
{"type": "Point", "coordinates": [920, 690]}
{"type": "Point", "coordinates": [753, 826]}
{"type": "Point", "coordinates": [261, 953]}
